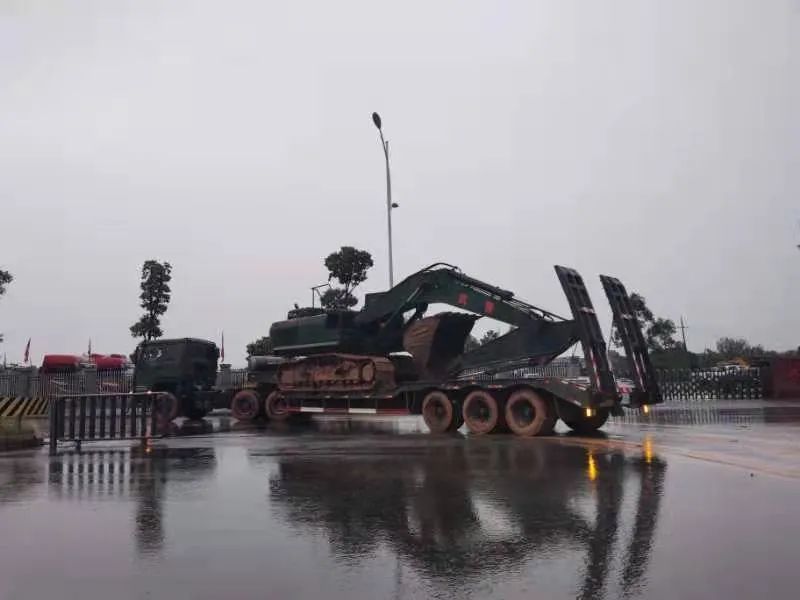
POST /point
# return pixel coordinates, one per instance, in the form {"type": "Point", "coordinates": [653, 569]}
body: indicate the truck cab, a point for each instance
{"type": "Point", "coordinates": [185, 368]}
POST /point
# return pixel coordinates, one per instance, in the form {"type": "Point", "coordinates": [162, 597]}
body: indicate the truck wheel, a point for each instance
{"type": "Point", "coordinates": [437, 412]}
{"type": "Point", "coordinates": [528, 414]}
{"type": "Point", "coordinates": [275, 407]}
{"type": "Point", "coordinates": [583, 424]}
{"type": "Point", "coordinates": [481, 412]}
{"type": "Point", "coordinates": [246, 405]}
{"type": "Point", "coordinates": [167, 407]}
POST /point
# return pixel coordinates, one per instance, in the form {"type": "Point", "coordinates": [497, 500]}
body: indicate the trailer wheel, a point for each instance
{"type": "Point", "coordinates": [275, 407]}
{"type": "Point", "coordinates": [168, 407]}
{"type": "Point", "coordinates": [246, 405]}
{"type": "Point", "coordinates": [584, 425]}
{"type": "Point", "coordinates": [528, 414]}
{"type": "Point", "coordinates": [481, 412]}
{"type": "Point", "coordinates": [437, 412]}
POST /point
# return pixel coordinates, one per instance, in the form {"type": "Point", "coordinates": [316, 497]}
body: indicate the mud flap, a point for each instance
{"type": "Point", "coordinates": [633, 341]}
{"type": "Point", "coordinates": [591, 336]}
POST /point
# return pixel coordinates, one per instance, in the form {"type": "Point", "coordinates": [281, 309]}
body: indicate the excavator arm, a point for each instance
{"type": "Point", "coordinates": [445, 284]}
{"type": "Point", "coordinates": [537, 335]}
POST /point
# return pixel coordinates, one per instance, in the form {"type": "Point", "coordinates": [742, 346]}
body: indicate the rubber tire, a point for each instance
{"type": "Point", "coordinates": [438, 412]}
{"type": "Point", "coordinates": [586, 425]}
{"type": "Point", "coordinates": [542, 413]}
{"type": "Point", "coordinates": [274, 413]}
{"type": "Point", "coordinates": [479, 426]}
{"type": "Point", "coordinates": [246, 405]}
{"type": "Point", "coordinates": [168, 407]}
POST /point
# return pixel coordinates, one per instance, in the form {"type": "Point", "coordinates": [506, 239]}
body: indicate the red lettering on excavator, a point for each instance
{"type": "Point", "coordinates": [462, 299]}
{"type": "Point", "coordinates": [488, 307]}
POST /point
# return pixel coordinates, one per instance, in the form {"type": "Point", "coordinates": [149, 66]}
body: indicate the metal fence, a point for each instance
{"type": "Point", "coordinates": [33, 384]}
{"type": "Point", "coordinates": [91, 417]}
{"type": "Point", "coordinates": [566, 368]}
{"type": "Point", "coordinates": [679, 385]}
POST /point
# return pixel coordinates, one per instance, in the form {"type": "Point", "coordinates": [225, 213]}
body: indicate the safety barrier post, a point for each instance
{"type": "Point", "coordinates": [53, 426]}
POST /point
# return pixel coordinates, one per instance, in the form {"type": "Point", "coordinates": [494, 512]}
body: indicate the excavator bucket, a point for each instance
{"type": "Point", "coordinates": [591, 336]}
{"type": "Point", "coordinates": [642, 371]}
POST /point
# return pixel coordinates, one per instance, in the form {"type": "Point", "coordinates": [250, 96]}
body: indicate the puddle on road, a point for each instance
{"type": "Point", "coordinates": [372, 509]}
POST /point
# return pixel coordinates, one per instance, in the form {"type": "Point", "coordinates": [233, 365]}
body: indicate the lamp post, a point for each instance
{"type": "Point", "coordinates": [376, 118]}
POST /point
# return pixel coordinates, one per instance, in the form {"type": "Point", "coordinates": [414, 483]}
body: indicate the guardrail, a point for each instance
{"type": "Point", "coordinates": [93, 417]}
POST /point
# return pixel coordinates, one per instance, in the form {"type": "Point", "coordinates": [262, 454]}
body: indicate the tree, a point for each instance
{"type": "Point", "coordinates": [261, 347]}
{"type": "Point", "coordinates": [337, 298]}
{"type": "Point", "coordinates": [489, 336]}
{"type": "Point", "coordinates": [728, 348]}
{"type": "Point", "coordinates": [154, 298]}
{"type": "Point", "coordinates": [5, 279]}
{"type": "Point", "coordinates": [659, 333]}
{"type": "Point", "coordinates": [349, 267]}
{"type": "Point", "coordinates": [473, 342]}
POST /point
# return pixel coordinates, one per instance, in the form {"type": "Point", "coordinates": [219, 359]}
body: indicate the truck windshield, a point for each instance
{"type": "Point", "coordinates": [156, 353]}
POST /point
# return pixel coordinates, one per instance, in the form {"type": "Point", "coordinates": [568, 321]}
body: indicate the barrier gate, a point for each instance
{"type": "Point", "coordinates": [94, 417]}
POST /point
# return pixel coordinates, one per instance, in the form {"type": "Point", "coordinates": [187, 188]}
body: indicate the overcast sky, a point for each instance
{"type": "Point", "coordinates": [655, 141]}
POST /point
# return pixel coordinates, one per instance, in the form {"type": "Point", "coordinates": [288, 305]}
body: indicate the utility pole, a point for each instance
{"type": "Point", "coordinates": [683, 329]}
{"type": "Point", "coordinates": [376, 118]}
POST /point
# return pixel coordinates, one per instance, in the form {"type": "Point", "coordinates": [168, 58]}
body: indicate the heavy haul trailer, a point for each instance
{"type": "Point", "coordinates": [390, 359]}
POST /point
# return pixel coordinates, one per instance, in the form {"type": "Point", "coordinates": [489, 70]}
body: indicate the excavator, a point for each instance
{"type": "Point", "coordinates": [391, 357]}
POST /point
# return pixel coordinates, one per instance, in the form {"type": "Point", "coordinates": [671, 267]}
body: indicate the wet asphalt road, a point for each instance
{"type": "Point", "coordinates": [698, 502]}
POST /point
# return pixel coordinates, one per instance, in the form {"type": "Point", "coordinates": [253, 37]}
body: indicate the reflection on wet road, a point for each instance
{"type": "Point", "coordinates": [372, 509]}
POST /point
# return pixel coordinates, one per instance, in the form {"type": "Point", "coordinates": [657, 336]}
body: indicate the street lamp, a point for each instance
{"type": "Point", "coordinates": [376, 118]}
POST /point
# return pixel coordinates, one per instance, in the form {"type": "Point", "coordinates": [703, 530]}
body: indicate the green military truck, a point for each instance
{"type": "Point", "coordinates": [184, 370]}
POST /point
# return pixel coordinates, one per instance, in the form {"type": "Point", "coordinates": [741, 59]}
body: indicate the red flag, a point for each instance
{"type": "Point", "coordinates": [28, 351]}
{"type": "Point", "coordinates": [222, 352]}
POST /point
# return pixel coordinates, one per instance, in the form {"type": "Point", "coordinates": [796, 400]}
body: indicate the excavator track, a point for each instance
{"type": "Point", "coordinates": [337, 373]}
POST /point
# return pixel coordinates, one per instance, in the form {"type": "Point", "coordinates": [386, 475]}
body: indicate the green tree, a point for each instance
{"type": "Point", "coordinates": [349, 267]}
{"type": "Point", "coordinates": [5, 279]}
{"type": "Point", "coordinates": [154, 298]}
{"type": "Point", "coordinates": [728, 348]}
{"type": "Point", "coordinates": [473, 342]}
{"type": "Point", "coordinates": [261, 347]}
{"type": "Point", "coordinates": [659, 333]}
{"type": "Point", "coordinates": [489, 336]}
{"type": "Point", "coordinates": [337, 298]}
